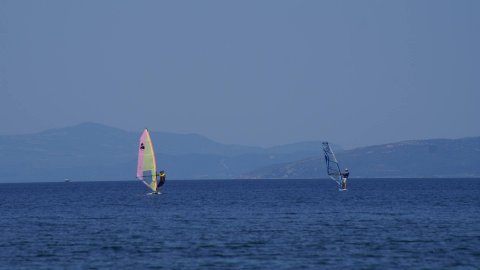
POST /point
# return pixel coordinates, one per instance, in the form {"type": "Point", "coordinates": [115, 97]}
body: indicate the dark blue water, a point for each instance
{"type": "Point", "coordinates": [261, 224]}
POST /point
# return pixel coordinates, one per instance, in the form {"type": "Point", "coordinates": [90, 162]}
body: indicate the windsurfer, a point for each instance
{"type": "Point", "coordinates": [162, 176]}
{"type": "Point", "coordinates": [344, 175]}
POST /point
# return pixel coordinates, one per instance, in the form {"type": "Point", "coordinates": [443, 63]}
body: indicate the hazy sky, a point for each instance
{"type": "Point", "coordinates": [244, 72]}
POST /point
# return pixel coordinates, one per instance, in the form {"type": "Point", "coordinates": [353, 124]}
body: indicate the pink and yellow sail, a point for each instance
{"type": "Point", "coordinates": [147, 166]}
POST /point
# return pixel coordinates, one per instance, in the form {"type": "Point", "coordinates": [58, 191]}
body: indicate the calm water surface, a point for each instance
{"type": "Point", "coordinates": [248, 224]}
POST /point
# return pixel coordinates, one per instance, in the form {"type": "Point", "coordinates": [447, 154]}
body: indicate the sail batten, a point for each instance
{"type": "Point", "coordinates": [147, 166]}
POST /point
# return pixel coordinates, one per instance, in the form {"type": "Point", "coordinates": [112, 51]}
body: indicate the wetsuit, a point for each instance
{"type": "Point", "coordinates": [162, 179]}
{"type": "Point", "coordinates": [344, 179]}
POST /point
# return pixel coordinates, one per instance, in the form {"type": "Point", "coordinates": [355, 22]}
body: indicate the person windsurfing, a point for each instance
{"type": "Point", "coordinates": [344, 175]}
{"type": "Point", "coordinates": [162, 175]}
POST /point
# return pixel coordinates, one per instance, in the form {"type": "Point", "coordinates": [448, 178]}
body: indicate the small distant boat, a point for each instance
{"type": "Point", "coordinates": [147, 166]}
{"type": "Point", "coordinates": [67, 180]}
{"type": "Point", "coordinates": [333, 168]}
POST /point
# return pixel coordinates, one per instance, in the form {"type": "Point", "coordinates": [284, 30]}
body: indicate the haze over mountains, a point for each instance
{"type": "Point", "coordinates": [92, 151]}
{"type": "Point", "coordinates": [417, 158]}
{"type": "Point", "coordinates": [96, 152]}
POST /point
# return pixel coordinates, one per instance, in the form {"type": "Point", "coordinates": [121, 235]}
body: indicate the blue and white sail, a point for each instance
{"type": "Point", "coordinates": [333, 169]}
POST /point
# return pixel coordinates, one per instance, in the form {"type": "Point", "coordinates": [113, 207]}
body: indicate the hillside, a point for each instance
{"type": "Point", "coordinates": [417, 158]}
{"type": "Point", "coordinates": [91, 151]}
{"type": "Point", "coordinates": [96, 152]}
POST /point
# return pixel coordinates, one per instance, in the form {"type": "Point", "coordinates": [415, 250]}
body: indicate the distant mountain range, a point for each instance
{"type": "Point", "coordinates": [91, 151]}
{"type": "Point", "coordinates": [96, 152]}
{"type": "Point", "coordinates": [420, 158]}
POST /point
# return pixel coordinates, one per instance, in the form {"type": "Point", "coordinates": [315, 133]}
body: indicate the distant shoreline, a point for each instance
{"type": "Point", "coordinates": [356, 180]}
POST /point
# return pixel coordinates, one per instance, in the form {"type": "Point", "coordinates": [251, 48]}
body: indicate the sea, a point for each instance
{"type": "Point", "coordinates": [242, 224]}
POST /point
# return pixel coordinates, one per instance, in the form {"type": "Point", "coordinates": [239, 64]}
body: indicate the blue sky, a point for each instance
{"type": "Point", "coordinates": [244, 72]}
